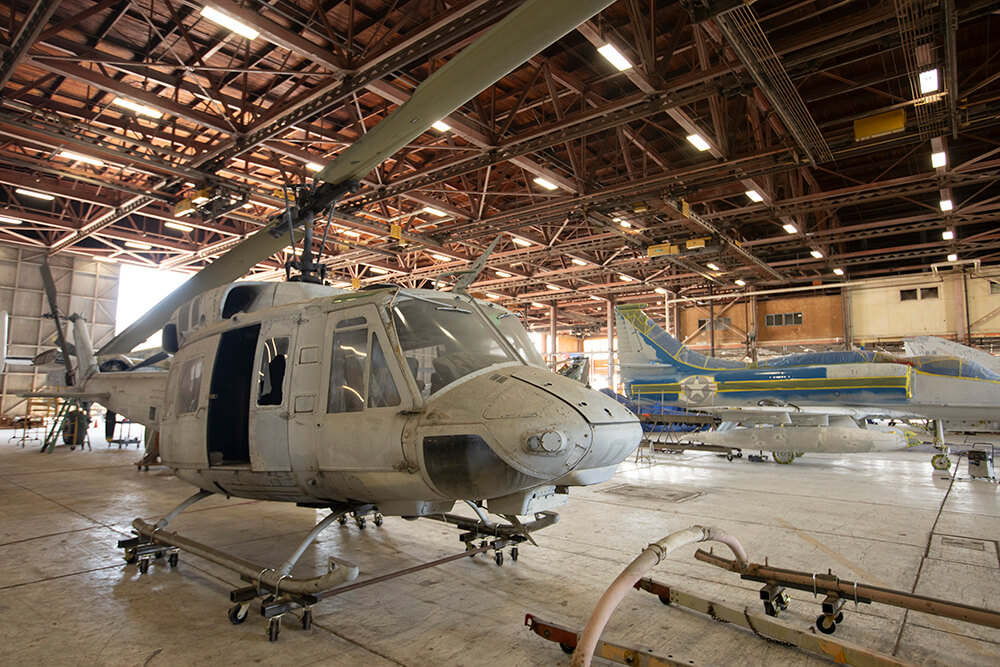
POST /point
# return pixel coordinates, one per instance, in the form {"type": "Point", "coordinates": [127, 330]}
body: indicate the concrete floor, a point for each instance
{"type": "Point", "coordinates": [66, 596]}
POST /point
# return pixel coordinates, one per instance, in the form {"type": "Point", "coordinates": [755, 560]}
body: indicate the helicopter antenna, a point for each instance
{"type": "Point", "coordinates": [467, 276]}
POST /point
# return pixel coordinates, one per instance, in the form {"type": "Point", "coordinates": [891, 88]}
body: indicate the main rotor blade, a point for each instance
{"type": "Point", "coordinates": [50, 295]}
{"type": "Point", "coordinates": [520, 35]}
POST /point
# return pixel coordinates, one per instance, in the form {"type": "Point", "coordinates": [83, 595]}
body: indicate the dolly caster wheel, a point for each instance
{"type": "Point", "coordinates": [729, 457]}
{"type": "Point", "coordinates": [378, 519]}
{"type": "Point", "coordinates": [342, 520]}
{"type": "Point", "coordinates": [238, 613]}
{"type": "Point", "coordinates": [143, 566]}
{"type": "Point", "coordinates": [940, 461]}
{"type": "Point", "coordinates": [566, 648]}
{"type": "Point", "coordinates": [664, 599]}
{"type": "Point", "coordinates": [513, 553]}
{"type": "Point", "coordinates": [173, 558]}
{"type": "Point", "coordinates": [825, 624]}
{"type": "Point", "coordinates": [307, 619]}
{"type": "Point", "coordinates": [130, 557]}
{"type": "Point", "coordinates": [273, 629]}
{"type": "Point", "coordinates": [361, 522]}
{"type": "Point", "coordinates": [498, 558]}
{"type": "Point", "coordinates": [840, 618]}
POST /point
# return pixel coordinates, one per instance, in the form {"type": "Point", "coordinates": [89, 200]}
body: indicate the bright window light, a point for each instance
{"type": "Point", "coordinates": [928, 81]}
{"type": "Point", "coordinates": [740, 282]}
{"type": "Point", "coordinates": [137, 245]}
{"type": "Point", "coordinates": [939, 159]}
{"type": "Point", "coordinates": [70, 155]}
{"type": "Point", "coordinates": [36, 195]}
{"type": "Point", "coordinates": [625, 278]}
{"type": "Point", "coordinates": [379, 270]}
{"type": "Point", "coordinates": [713, 266]}
{"type": "Point", "coordinates": [138, 287]}
{"type": "Point", "coordinates": [754, 196]}
{"type": "Point", "coordinates": [215, 16]}
{"type": "Point", "coordinates": [441, 126]}
{"type": "Point", "coordinates": [9, 221]}
{"type": "Point", "coordinates": [502, 274]}
{"type": "Point", "coordinates": [554, 288]}
{"type": "Point", "coordinates": [838, 271]}
{"type": "Point", "coordinates": [436, 212]}
{"type": "Point", "coordinates": [615, 57]}
{"type": "Point", "coordinates": [521, 242]}
{"type": "Point", "coordinates": [545, 183]}
{"type": "Point", "coordinates": [441, 258]}
{"type": "Point", "coordinates": [946, 205]}
{"type": "Point", "coordinates": [178, 226]}
{"type": "Point", "coordinates": [952, 257]}
{"type": "Point", "coordinates": [816, 253]}
{"type": "Point", "coordinates": [660, 290]}
{"type": "Point", "coordinates": [313, 166]}
{"type": "Point", "coordinates": [947, 235]}
{"type": "Point", "coordinates": [578, 261]}
{"type": "Point", "coordinates": [698, 142]}
{"type": "Point", "coordinates": [790, 228]}
{"type": "Point", "coordinates": [138, 108]}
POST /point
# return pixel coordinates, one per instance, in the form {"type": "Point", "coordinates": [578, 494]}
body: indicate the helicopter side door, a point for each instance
{"type": "Point", "coordinates": [365, 399]}
{"type": "Point", "coordinates": [270, 400]}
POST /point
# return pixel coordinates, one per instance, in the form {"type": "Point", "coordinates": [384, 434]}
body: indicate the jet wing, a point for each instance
{"type": "Point", "coordinates": [790, 415]}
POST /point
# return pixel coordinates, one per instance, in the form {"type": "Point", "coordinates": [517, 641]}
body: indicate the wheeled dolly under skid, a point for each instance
{"type": "Point", "coordinates": [360, 518]}
{"type": "Point", "coordinates": [142, 552]}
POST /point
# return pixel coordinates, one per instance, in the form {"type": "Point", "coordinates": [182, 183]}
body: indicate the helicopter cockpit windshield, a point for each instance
{"type": "Point", "coordinates": [445, 340]}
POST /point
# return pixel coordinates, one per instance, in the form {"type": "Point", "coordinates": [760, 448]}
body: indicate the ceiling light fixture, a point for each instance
{"type": "Point", "coordinates": [596, 298]}
{"type": "Point", "coordinates": [70, 155]}
{"type": "Point", "coordinates": [754, 196]}
{"type": "Point", "coordinates": [698, 142]}
{"type": "Point", "coordinates": [947, 235]}
{"type": "Point", "coordinates": [928, 81]}
{"type": "Point", "coordinates": [625, 223]}
{"type": "Point", "coordinates": [441, 126]}
{"type": "Point", "coordinates": [578, 261]}
{"type": "Point", "coordinates": [103, 258]}
{"type": "Point", "coordinates": [627, 279]}
{"type": "Point", "coordinates": [538, 305]}
{"type": "Point", "coordinates": [313, 166]}
{"type": "Point", "coordinates": [521, 242]}
{"type": "Point", "coordinates": [816, 253]}
{"type": "Point", "coordinates": [178, 226]}
{"type": "Point", "coordinates": [838, 271]}
{"type": "Point", "coordinates": [241, 29]}
{"type": "Point", "coordinates": [554, 288]}
{"type": "Point", "coordinates": [351, 233]}
{"type": "Point", "coordinates": [740, 282]}
{"type": "Point", "coordinates": [141, 109]}
{"type": "Point", "coordinates": [946, 205]}
{"type": "Point", "coordinates": [713, 266]}
{"type": "Point", "coordinates": [660, 290]}
{"type": "Point", "coordinates": [442, 258]}
{"type": "Point", "coordinates": [502, 274]}
{"type": "Point", "coordinates": [952, 257]}
{"type": "Point", "coordinates": [615, 57]}
{"type": "Point", "coordinates": [939, 159]}
{"type": "Point", "coordinates": [790, 228]}
{"type": "Point", "coordinates": [436, 212]}
{"type": "Point", "coordinates": [545, 183]}
{"type": "Point", "coordinates": [138, 245]}
{"type": "Point", "coordinates": [36, 195]}
{"type": "Point", "coordinates": [378, 269]}
{"type": "Point", "coordinates": [9, 221]}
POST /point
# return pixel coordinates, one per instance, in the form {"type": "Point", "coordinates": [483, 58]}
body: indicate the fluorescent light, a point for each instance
{"type": "Point", "coordinates": [946, 205]}
{"type": "Point", "coordinates": [538, 305]}
{"type": "Point", "coordinates": [596, 298]}
{"type": "Point", "coordinates": [952, 257]}
{"type": "Point", "coordinates": [545, 183]}
{"type": "Point", "coordinates": [816, 253]}
{"type": "Point", "coordinates": [138, 245]}
{"type": "Point", "coordinates": [351, 233]}
{"type": "Point", "coordinates": [928, 81]}
{"type": "Point", "coordinates": [947, 235]}
{"type": "Point", "coordinates": [554, 288]}
{"type": "Point", "coordinates": [790, 228]}
{"type": "Point", "coordinates": [627, 279]}
{"type": "Point", "coordinates": [713, 266]}
{"type": "Point", "coordinates": [521, 242]}
{"type": "Point", "coordinates": [70, 155]}
{"type": "Point", "coordinates": [436, 212]}
{"type": "Point", "coordinates": [838, 271]}
{"type": "Point", "coordinates": [740, 282]}
{"type": "Point", "coordinates": [615, 57]}
{"type": "Point", "coordinates": [578, 261]}
{"type": "Point", "coordinates": [625, 223]}
{"type": "Point", "coordinates": [36, 195]}
{"type": "Point", "coordinates": [754, 196]}
{"type": "Point", "coordinates": [660, 290]}
{"type": "Point", "coordinates": [313, 166]}
{"type": "Point", "coordinates": [502, 274]}
{"type": "Point", "coordinates": [939, 159]}
{"type": "Point", "coordinates": [249, 204]}
{"type": "Point", "coordinates": [490, 295]}
{"type": "Point", "coordinates": [441, 126]}
{"type": "Point", "coordinates": [103, 258]}
{"type": "Point", "coordinates": [138, 108]}
{"type": "Point", "coordinates": [9, 221]}
{"type": "Point", "coordinates": [215, 16]}
{"type": "Point", "coordinates": [698, 142]}
{"type": "Point", "coordinates": [379, 270]}
{"type": "Point", "coordinates": [178, 226]}
{"type": "Point", "coordinates": [443, 258]}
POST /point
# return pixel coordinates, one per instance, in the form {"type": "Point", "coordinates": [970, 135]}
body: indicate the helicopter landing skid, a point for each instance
{"type": "Point", "coordinates": [496, 536]}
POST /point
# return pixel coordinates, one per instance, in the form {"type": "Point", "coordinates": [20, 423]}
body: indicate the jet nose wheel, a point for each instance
{"type": "Point", "coordinates": [941, 461]}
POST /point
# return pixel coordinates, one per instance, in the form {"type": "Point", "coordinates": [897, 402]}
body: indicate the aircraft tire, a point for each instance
{"type": "Point", "coordinates": [783, 457]}
{"type": "Point", "coordinates": [940, 462]}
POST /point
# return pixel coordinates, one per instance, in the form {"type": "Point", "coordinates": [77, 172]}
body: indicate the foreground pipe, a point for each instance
{"type": "Point", "coordinates": [649, 558]}
{"type": "Point", "coordinates": [267, 576]}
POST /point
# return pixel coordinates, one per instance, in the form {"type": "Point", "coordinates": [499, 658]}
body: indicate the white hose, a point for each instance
{"type": "Point", "coordinates": [649, 558]}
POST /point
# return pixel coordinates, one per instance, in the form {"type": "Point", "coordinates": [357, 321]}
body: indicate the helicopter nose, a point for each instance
{"type": "Point", "coordinates": [522, 427]}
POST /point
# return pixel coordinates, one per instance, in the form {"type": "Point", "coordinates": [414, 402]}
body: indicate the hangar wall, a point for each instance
{"type": "Point", "coordinates": [83, 286]}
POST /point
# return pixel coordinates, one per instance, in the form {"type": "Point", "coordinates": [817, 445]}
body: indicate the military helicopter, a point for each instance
{"type": "Point", "coordinates": [388, 401]}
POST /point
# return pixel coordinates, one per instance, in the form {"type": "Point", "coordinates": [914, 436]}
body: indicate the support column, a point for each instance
{"type": "Point", "coordinates": [711, 322]}
{"type": "Point", "coordinates": [845, 300]}
{"type": "Point", "coordinates": [752, 328]}
{"type": "Point", "coordinates": [611, 343]}
{"type": "Point", "coordinates": [553, 336]}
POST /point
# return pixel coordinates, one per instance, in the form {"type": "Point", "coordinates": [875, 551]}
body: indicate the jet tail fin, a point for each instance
{"type": "Point", "coordinates": [86, 360]}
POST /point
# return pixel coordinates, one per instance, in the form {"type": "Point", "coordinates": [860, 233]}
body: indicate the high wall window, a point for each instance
{"type": "Point", "coordinates": [782, 319]}
{"type": "Point", "coordinates": [994, 288]}
{"type": "Point", "coordinates": [915, 294]}
{"type": "Point", "coordinates": [720, 323]}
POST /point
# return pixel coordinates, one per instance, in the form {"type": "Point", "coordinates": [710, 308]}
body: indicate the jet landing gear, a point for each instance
{"type": "Point", "coordinates": [940, 461]}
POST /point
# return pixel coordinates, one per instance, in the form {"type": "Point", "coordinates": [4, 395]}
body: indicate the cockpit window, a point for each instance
{"type": "Point", "coordinates": [443, 341]}
{"type": "Point", "coordinates": [513, 330]}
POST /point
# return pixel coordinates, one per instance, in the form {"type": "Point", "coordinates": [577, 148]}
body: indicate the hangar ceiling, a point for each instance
{"type": "Point", "coordinates": [786, 187]}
